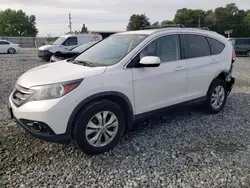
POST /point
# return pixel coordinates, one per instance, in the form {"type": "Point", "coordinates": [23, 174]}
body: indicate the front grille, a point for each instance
{"type": "Point", "coordinates": [20, 95]}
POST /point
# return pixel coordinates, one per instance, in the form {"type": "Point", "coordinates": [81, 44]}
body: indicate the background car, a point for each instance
{"type": "Point", "coordinates": [241, 45]}
{"type": "Point", "coordinates": [65, 43]}
{"type": "Point", "coordinates": [61, 55]}
{"type": "Point", "coordinates": [9, 47]}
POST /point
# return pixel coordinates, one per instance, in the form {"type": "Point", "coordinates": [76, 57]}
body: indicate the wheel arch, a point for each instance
{"type": "Point", "coordinates": [11, 47]}
{"type": "Point", "coordinates": [117, 97]}
{"type": "Point", "coordinates": [222, 76]}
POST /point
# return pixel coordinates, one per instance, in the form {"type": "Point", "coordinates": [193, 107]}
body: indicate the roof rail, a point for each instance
{"type": "Point", "coordinates": [164, 26]}
{"type": "Point", "coordinates": [204, 28]}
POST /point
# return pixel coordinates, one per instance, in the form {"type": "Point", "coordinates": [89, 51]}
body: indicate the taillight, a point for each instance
{"type": "Point", "coordinates": [233, 56]}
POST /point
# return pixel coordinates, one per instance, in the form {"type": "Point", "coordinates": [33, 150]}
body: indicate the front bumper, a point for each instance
{"type": "Point", "coordinates": [52, 115]}
{"type": "Point", "coordinates": [46, 54]}
{"type": "Point", "coordinates": [60, 138]}
{"type": "Point", "coordinates": [230, 85]}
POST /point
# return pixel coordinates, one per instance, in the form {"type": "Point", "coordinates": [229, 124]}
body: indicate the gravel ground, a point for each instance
{"type": "Point", "coordinates": [183, 149]}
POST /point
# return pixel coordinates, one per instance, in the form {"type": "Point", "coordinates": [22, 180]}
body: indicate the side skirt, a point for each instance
{"type": "Point", "coordinates": [161, 111]}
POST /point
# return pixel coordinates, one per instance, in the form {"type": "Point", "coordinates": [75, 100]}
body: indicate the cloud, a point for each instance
{"type": "Point", "coordinates": [52, 15]}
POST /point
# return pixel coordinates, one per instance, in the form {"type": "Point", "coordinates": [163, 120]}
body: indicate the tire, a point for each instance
{"type": "Point", "coordinates": [86, 120]}
{"type": "Point", "coordinates": [11, 51]}
{"type": "Point", "coordinates": [211, 106]}
{"type": "Point", "coordinates": [248, 54]}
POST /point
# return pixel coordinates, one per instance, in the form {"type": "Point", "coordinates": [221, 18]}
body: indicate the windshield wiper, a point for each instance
{"type": "Point", "coordinates": [86, 63]}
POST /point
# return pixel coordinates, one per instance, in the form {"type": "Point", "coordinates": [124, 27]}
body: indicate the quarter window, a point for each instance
{"type": "Point", "coordinates": [216, 46]}
{"type": "Point", "coordinates": [196, 46]}
{"type": "Point", "coordinates": [167, 48]}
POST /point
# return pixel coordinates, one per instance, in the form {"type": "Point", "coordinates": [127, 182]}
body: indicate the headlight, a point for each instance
{"type": "Point", "coordinates": [54, 91]}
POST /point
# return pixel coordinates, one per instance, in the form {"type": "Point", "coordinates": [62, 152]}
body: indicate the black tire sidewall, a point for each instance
{"type": "Point", "coordinates": [248, 54]}
{"type": "Point", "coordinates": [215, 83]}
{"type": "Point", "coordinates": [12, 51]}
{"type": "Point", "coordinates": [83, 119]}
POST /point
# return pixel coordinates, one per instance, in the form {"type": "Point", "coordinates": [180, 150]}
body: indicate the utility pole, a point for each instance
{"type": "Point", "coordinates": [199, 22]}
{"type": "Point", "coordinates": [70, 23]}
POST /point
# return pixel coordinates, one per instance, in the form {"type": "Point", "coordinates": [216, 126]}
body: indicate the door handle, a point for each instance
{"type": "Point", "coordinates": [180, 68]}
{"type": "Point", "coordinates": [214, 61]}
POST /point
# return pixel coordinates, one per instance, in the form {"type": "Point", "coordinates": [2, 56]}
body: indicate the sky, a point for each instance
{"type": "Point", "coordinates": [104, 15]}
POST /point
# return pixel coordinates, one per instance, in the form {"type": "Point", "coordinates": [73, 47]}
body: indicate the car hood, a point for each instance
{"type": "Point", "coordinates": [57, 72]}
{"type": "Point", "coordinates": [45, 47]}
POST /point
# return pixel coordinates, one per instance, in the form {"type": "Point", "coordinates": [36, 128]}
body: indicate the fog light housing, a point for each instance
{"type": "Point", "coordinates": [38, 127]}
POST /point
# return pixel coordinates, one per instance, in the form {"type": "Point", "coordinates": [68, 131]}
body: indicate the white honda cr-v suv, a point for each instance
{"type": "Point", "coordinates": [94, 98]}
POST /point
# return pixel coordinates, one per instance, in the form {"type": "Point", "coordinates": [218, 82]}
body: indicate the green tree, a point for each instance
{"type": "Point", "coordinates": [156, 25]}
{"type": "Point", "coordinates": [17, 23]}
{"type": "Point", "coordinates": [245, 25]}
{"type": "Point", "coordinates": [136, 22]}
{"type": "Point", "coordinates": [229, 18]}
{"type": "Point", "coordinates": [166, 22]}
{"type": "Point", "coordinates": [189, 17]}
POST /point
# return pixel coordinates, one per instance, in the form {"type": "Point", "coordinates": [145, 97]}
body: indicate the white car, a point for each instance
{"type": "Point", "coordinates": [9, 47]}
{"type": "Point", "coordinates": [95, 98]}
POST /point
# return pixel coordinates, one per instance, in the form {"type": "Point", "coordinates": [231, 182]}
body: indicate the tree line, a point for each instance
{"type": "Point", "coordinates": [17, 23]}
{"type": "Point", "coordinates": [230, 17]}
{"type": "Point", "coordinates": [220, 20]}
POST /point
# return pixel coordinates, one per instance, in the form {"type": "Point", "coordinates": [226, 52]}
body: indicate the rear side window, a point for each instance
{"type": "Point", "coordinates": [4, 43]}
{"type": "Point", "coordinates": [216, 46]}
{"type": "Point", "coordinates": [196, 46]}
{"type": "Point", "coordinates": [243, 41]}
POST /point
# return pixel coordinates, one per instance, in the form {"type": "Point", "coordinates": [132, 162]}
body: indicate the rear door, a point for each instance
{"type": "Point", "coordinates": [201, 65]}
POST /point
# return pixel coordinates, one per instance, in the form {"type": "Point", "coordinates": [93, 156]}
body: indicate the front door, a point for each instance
{"type": "Point", "coordinates": [4, 46]}
{"type": "Point", "coordinates": [158, 87]}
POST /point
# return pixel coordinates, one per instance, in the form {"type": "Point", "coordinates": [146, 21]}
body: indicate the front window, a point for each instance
{"type": "Point", "coordinates": [111, 50]}
{"type": "Point", "coordinates": [167, 48]}
{"type": "Point", "coordinates": [59, 41]}
{"type": "Point", "coordinates": [4, 43]}
{"type": "Point", "coordinates": [71, 41]}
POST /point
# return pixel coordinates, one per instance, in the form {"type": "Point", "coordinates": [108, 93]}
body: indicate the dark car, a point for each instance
{"type": "Point", "coordinates": [241, 45]}
{"type": "Point", "coordinates": [59, 56]}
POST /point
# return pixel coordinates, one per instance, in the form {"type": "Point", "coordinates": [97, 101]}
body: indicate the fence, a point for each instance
{"type": "Point", "coordinates": [26, 42]}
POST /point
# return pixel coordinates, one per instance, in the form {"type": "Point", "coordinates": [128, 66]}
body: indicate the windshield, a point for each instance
{"type": "Point", "coordinates": [83, 47]}
{"type": "Point", "coordinates": [59, 41]}
{"type": "Point", "coordinates": [111, 50]}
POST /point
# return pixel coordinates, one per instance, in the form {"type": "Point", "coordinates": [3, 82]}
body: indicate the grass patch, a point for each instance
{"type": "Point", "coordinates": [242, 83]}
{"type": "Point", "coordinates": [226, 147]}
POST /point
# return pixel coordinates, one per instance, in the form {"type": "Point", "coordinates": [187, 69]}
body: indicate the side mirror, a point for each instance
{"type": "Point", "coordinates": [150, 61]}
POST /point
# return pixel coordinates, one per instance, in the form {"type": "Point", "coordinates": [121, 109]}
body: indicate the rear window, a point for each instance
{"type": "Point", "coordinates": [243, 41]}
{"type": "Point", "coordinates": [196, 46]}
{"type": "Point", "coordinates": [216, 46]}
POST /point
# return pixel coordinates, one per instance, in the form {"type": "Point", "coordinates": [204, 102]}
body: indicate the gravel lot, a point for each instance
{"type": "Point", "coordinates": [183, 149]}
